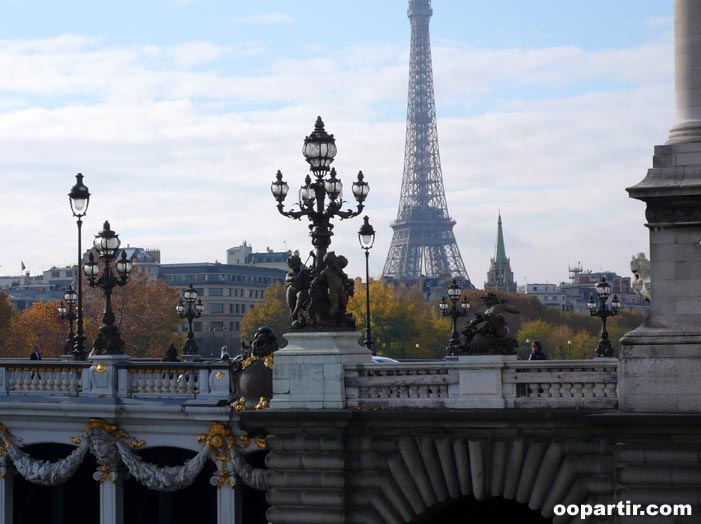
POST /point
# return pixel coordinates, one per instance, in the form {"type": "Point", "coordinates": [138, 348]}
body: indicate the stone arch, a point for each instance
{"type": "Point", "coordinates": [538, 471]}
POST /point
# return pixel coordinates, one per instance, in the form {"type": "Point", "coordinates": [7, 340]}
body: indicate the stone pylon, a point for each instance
{"type": "Point", "coordinates": [661, 360]}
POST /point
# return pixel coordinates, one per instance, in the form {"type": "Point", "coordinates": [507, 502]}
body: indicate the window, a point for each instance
{"type": "Point", "coordinates": [216, 308]}
{"type": "Point", "coordinates": [197, 326]}
{"type": "Point", "coordinates": [217, 325]}
{"type": "Point", "coordinates": [216, 292]}
{"type": "Point", "coordinates": [237, 308]}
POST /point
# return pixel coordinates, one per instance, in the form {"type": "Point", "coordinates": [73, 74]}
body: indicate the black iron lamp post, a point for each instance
{"type": "Point", "coordinates": [193, 310]}
{"type": "Point", "coordinates": [79, 198]}
{"type": "Point", "coordinates": [319, 151]}
{"type": "Point", "coordinates": [366, 236]}
{"type": "Point", "coordinates": [106, 244]}
{"type": "Point", "coordinates": [603, 311]}
{"type": "Point", "coordinates": [67, 312]}
{"type": "Point", "coordinates": [454, 312]}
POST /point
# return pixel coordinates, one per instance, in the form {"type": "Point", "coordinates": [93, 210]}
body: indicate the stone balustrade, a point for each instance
{"type": "Point", "coordinates": [484, 382]}
{"type": "Point", "coordinates": [456, 383]}
{"type": "Point", "coordinates": [118, 377]}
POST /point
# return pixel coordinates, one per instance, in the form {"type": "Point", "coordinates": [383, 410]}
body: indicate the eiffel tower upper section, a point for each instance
{"type": "Point", "coordinates": [423, 242]}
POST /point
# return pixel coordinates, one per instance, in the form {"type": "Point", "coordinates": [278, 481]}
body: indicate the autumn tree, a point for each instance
{"type": "Point", "coordinates": [145, 314]}
{"type": "Point", "coordinates": [6, 314]}
{"type": "Point", "coordinates": [402, 323]}
{"type": "Point", "coordinates": [272, 311]}
{"type": "Point", "coordinates": [41, 326]}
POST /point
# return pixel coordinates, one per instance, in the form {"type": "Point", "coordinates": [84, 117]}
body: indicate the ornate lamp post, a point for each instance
{"type": "Point", "coordinates": [603, 311]}
{"type": "Point", "coordinates": [79, 197]}
{"type": "Point", "coordinates": [366, 236]}
{"type": "Point", "coordinates": [106, 244]}
{"type": "Point", "coordinates": [320, 200]}
{"type": "Point", "coordinates": [454, 313]}
{"type": "Point", "coordinates": [193, 310]}
{"type": "Point", "coordinates": [69, 313]}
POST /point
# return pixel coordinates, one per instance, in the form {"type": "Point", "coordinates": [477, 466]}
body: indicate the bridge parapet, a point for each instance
{"type": "Point", "coordinates": [125, 378]}
{"type": "Point", "coordinates": [484, 382]}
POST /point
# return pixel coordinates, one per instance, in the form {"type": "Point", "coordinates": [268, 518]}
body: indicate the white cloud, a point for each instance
{"type": "Point", "coordinates": [170, 171]}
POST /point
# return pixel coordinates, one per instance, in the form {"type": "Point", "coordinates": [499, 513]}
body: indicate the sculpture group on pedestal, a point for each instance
{"type": "Point", "coordinates": [320, 301]}
{"type": "Point", "coordinates": [488, 332]}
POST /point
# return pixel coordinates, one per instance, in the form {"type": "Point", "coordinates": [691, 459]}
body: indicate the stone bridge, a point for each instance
{"type": "Point", "coordinates": [345, 440]}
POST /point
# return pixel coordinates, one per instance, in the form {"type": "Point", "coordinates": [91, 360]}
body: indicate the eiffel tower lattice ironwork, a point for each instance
{"type": "Point", "coordinates": [423, 242]}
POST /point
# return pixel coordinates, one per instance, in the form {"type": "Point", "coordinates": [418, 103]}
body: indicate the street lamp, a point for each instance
{"type": "Point", "coordinates": [603, 311]}
{"type": "Point", "coordinates": [193, 310]}
{"type": "Point", "coordinates": [106, 244]}
{"type": "Point", "coordinates": [67, 312]}
{"type": "Point", "coordinates": [320, 199]}
{"type": "Point", "coordinates": [366, 236]}
{"type": "Point", "coordinates": [79, 197]}
{"type": "Point", "coordinates": [454, 313]}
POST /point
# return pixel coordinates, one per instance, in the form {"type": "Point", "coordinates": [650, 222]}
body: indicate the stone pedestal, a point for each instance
{"type": "Point", "coordinates": [480, 384]}
{"type": "Point", "coordinates": [102, 377]}
{"type": "Point", "coordinates": [661, 360]}
{"type": "Point", "coordinates": [308, 373]}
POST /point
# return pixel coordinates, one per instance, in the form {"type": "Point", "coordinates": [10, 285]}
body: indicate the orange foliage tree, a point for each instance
{"type": "Point", "coordinates": [145, 314]}
{"type": "Point", "coordinates": [40, 326]}
{"type": "Point", "coordinates": [6, 314]}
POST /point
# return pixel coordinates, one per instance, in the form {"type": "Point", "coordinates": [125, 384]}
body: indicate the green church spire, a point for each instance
{"type": "Point", "coordinates": [500, 253]}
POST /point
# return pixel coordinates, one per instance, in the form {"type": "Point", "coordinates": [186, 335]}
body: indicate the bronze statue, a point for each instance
{"type": "Point", "coordinates": [252, 377]}
{"type": "Point", "coordinates": [488, 332]}
{"type": "Point", "coordinates": [329, 292]}
{"type": "Point", "coordinates": [297, 281]}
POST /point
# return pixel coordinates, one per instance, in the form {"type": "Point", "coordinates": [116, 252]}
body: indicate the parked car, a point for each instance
{"type": "Point", "coordinates": [383, 360]}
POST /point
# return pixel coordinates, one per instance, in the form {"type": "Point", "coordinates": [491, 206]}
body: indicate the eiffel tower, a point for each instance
{"type": "Point", "coordinates": [423, 242]}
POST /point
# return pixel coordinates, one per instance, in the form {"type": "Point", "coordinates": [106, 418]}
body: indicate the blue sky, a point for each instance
{"type": "Point", "coordinates": [179, 112]}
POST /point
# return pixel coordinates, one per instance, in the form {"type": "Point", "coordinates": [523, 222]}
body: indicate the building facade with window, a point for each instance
{"type": "Point", "coordinates": [227, 291]}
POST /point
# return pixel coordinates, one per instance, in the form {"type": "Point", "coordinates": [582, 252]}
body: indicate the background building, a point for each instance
{"type": "Point", "coordinates": [573, 296]}
{"type": "Point", "coordinates": [227, 292]}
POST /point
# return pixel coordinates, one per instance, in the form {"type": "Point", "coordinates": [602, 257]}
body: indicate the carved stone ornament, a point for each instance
{"type": "Point", "coordinates": [41, 472]}
{"type": "Point", "coordinates": [113, 450]}
{"type": "Point", "coordinates": [678, 213]}
{"type": "Point", "coordinates": [640, 267]}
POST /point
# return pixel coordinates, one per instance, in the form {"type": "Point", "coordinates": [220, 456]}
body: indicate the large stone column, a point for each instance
{"type": "Point", "coordinates": [661, 360]}
{"type": "Point", "coordinates": [687, 72]}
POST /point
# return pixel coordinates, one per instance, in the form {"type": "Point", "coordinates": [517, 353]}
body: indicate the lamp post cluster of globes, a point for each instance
{"type": "Point", "coordinates": [601, 308]}
{"type": "Point", "coordinates": [455, 312]}
{"type": "Point", "coordinates": [321, 199]}
{"type": "Point", "coordinates": [106, 245]}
